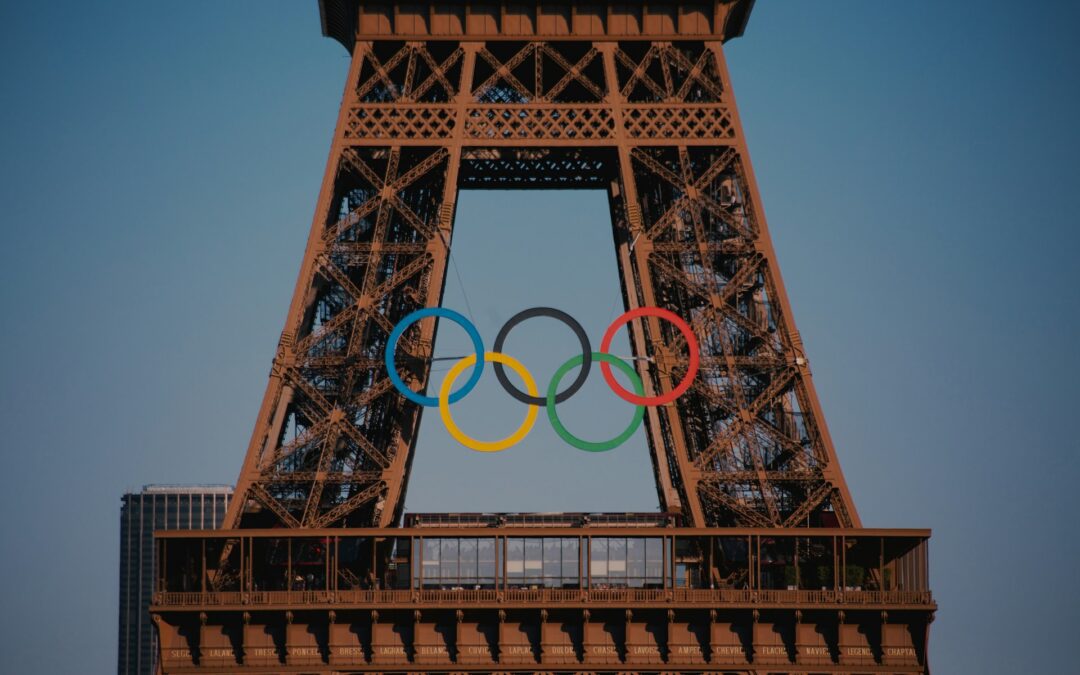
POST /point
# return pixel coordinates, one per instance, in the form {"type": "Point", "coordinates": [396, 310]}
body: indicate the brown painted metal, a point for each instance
{"type": "Point", "coordinates": [652, 121]}
{"type": "Point", "coordinates": [717, 600]}
{"type": "Point", "coordinates": [631, 97]}
{"type": "Point", "coordinates": [349, 21]}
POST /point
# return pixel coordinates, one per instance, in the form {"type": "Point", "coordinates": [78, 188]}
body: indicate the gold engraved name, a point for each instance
{"type": "Point", "coordinates": [432, 650]}
{"type": "Point", "coordinates": [773, 651]}
{"type": "Point", "coordinates": [180, 653]}
{"type": "Point", "coordinates": [816, 651]}
{"type": "Point", "coordinates": [304, 651]}
{"type": "Point", "coordinates": [858, 651]}
{"type": "Point", "coordinates": [900, 651]}
{"type": "Point", "coordinates": [350, 651]}
{"type": "Point", "coordinates": [727, 651]}
{"type": "Point", "coordinates": [391, 650]}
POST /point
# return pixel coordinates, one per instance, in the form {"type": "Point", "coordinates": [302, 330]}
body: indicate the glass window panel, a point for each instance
{"type": "Point", "coordinates": [654, 560]}
{"type": "Point", "coordinates": [570, 563]}
{"type": "Point", "coordinates": [598, 567]}
{"type": "Point", "coordinates": [635, 557]}
{"type": "Point", "coordinates": [654, 551]}
{"type": "Point", "coordinates": [570, 558]}
{"type": "Point", "coordinates": [467, 557]}
{"type": "Point", "coordinates": [485, 554]}
{"type": "Point", "coordinates": [431, 551]}
{"type": "Point", "coordinates": [448, 562]}
{"type": "Point", "coordinates": [515, 558]}
{"type": "Point", "coordinates": [617, 557]}
{"type": "Point", "coordinates": [553, 558]}
{"type": "Point", "coordinates": [533, 556]}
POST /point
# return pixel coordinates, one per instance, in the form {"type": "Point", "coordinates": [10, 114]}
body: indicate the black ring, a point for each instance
{"type": "Point", "coordinates": [586, 350]}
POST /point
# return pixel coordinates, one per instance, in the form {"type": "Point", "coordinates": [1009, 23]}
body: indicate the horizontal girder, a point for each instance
{"type": "Point", "coordinates": [348, 21]}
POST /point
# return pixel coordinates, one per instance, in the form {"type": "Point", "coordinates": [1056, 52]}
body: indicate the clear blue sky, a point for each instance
{"type": "Point", "coordinates": [160, 163]}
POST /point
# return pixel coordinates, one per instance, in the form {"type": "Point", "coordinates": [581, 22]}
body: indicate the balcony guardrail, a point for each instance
{"type": "Point", "coordinates": [539, 596]}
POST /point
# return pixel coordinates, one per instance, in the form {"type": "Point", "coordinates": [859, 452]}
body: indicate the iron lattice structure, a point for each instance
{"type": "Point", "coordinates": [628, 97]}
{"type": "Point", "coordinates": [757, 564]}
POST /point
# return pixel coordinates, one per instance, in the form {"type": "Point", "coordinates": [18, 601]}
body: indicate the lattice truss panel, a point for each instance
{"type": "Point", "coordinates": [410, 72]}
{"type": "Point", "coordinates": [654, 123]}
{"type": "Point", "coordinates": [678, 90]}
{"type": "Point", "coordinates": [745, 436]}
{"type": "Point", "coordinates": [661, 72]}
{"type": "Point", "coordinates": [548, 168]}
{"type": "Point", "coordinates": [335, 450]}
{"type": "Point", "coordinates": [538, 91]}
{"type": "Point", "coordinates": [403, 91]}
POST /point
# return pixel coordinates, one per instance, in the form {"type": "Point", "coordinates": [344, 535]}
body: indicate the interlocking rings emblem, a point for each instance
{"type": "Point", "coordinates": [552, 396]}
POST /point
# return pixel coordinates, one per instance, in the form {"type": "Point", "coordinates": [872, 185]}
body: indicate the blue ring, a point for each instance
{"type": "Point", "coordinates": [395, 335]}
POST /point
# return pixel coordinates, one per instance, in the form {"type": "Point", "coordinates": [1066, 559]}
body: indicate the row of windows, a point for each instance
{"type": "Point", "coordinates": [549, 562]}
{"type": "Point", "coordinates": [180, 512]}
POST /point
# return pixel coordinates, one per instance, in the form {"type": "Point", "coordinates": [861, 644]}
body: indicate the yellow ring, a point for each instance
{"type": "Point", "coordinates": [472, 443]}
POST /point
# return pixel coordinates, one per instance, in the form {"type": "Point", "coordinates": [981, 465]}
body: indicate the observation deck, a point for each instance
{"type": "Point", "coordinates": [541, 591]}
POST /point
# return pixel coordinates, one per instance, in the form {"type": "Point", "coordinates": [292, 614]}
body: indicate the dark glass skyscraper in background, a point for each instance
{"type": "Point", "coordinates": [157, 507]}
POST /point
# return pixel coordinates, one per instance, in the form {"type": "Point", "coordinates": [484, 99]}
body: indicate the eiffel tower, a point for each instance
{"type": "Point", "coordinates": [757, 561]}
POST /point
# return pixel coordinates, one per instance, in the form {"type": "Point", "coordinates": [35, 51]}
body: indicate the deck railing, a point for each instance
{"type": "Point", "coordinates": [539, 596]}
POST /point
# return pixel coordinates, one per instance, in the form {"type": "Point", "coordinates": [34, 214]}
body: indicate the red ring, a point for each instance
{"type": "Point", "coordinates": [691, 344]}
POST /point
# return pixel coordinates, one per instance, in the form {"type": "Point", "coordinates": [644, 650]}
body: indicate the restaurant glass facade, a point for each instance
{"type": "Point", "coordinates": [539, 562]}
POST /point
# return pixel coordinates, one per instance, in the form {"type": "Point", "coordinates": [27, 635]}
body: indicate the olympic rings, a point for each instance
{"type": "Point", "coordinates": [553, 396]}
{"type": "Point", "coordinates": [691, 345]}
{"type": "Point", "coordinates": [556, 423]}
{"type": "Point", "coordinates": [412, 318]}
{"type": "Point", "coordinates": [583, 338]}
{"type": "Point", "coordinates": [452, 427]}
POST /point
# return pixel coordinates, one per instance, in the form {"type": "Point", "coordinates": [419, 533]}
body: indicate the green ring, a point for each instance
{"type": "Point", "coordinates": [589, 446]}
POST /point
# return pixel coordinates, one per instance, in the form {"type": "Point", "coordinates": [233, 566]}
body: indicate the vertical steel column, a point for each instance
{"type": "Point", "coordinates": [632, 251]}
{"type": "Point", "coordinates": [279, 394]}
{"type": "Point", "coordinates": [844, 504]}
{"type": "Point", "coordinates": [439, 249]}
